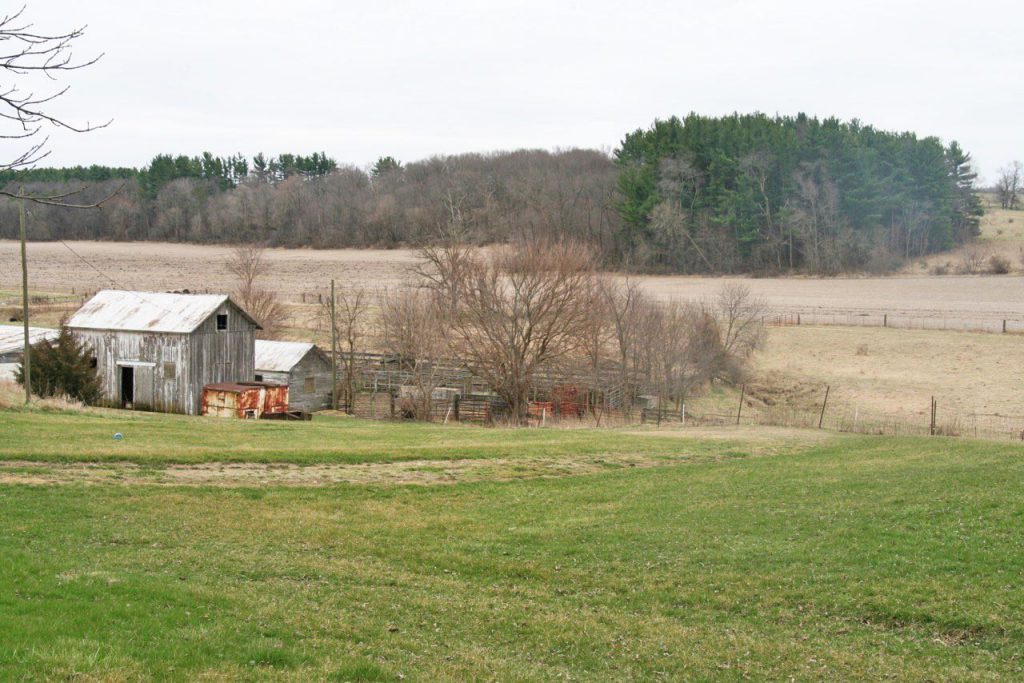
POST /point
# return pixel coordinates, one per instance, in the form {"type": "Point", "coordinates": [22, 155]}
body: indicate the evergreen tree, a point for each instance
{"type": "Point", "coordinates": [62, 367]}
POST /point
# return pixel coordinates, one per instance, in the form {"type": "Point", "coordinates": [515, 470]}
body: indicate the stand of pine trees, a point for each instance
{"type": "Point", "coordinates": [761, 194]}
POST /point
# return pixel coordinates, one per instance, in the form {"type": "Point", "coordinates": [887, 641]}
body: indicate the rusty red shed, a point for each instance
{"type": "Point", "coordinates": [245, 400]}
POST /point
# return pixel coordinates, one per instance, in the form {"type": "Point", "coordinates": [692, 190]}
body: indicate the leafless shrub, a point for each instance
{"type": "Point", "coordinates": [247, 264]}
{"type": "Point", "coordinates": [972, 261]}
{"type": "Point", "coordinates": [414, 326]}
{"type": "Point", "coordinates": [941, 269]}
{"type": "Point", "coordinates": [998, 265]}
{"type": "Point", "coordinates": [685, 349]}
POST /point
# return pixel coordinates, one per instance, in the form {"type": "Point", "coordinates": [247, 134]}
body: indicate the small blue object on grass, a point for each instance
{"type": "Point", "coordinates": [118, 436]}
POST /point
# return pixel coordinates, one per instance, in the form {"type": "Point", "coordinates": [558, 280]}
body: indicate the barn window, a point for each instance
{"type": "Point", "coordinates": [259, 378]}
{"type": "Point", "coordinates": [222, 321]}
{"type": "Point", "coordinates": [170, 370]}
{"type": "Point", "coordinates": [309, 386]}
{"type": "Point", "coordinates": [93, 363]}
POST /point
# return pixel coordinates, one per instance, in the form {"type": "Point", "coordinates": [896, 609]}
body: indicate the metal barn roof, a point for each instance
{"type": "Point", "coordinates": [12, 337]}
{"type": "Point", "coordinates": [276, 356]}
{"type": "Point", "coordinates": [113, 309]}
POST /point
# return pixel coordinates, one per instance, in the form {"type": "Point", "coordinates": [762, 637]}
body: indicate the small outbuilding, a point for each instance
{"type": "Point", "coordinates": [302, 366]}
{"type": "Point", "coordinates": [245, 400]}
{"type": "Point", "coordinates": [12, 340]}
{"type": "Point", "coordinates": [156, 351]}
{"type": "Point", "coordinates": [12, 346]}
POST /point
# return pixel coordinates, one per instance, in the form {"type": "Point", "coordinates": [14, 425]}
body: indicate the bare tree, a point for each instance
{"type": "Point", "coordinates": [1008, 184]}
{"type": "Point", "coordinates": [351, 320]}
{"type": "Point", "coordinates": [626, 305]}
{"type": "Point", "coordinates": [597, 334]}
{"type": "Point", "coordinates": [27, 54]}
{"type": "Point", "coordinates": [741, 317]}
{"type": "Point", "coordinates": [685, 348]}
{"type": "Point", "coordinates": [516, 310]}
{"type": "Point", "coordinates": [414, 327]}
{"type": "Point", "coordinates": [250, 269]}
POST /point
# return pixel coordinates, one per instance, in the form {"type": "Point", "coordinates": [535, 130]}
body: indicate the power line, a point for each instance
{"type": "Point", "coordinates": [115, 282]}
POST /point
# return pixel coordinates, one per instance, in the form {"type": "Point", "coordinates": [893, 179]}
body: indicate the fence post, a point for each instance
{"type": "Point", "coordinates": [931, 427]}
{"type": "Point", "coordinates": [824, 403]}
{"type": "Point", "coordinates": [1004, 326]}
{"type": "Point", "coordinates": [392, 396]}
{"type": "Point", "coordinates": [739, 409]}
{"type": "Point", "coordinates": [885, 320]}
{"type": "Point", "coordinates": [455, 410]}
{"type": "Point", "coordinates": [797, 318]}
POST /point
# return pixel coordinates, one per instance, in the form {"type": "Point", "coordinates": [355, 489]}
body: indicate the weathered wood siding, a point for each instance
{"type": "Point", "coordinates": [204, 356]}
{"type": "Point", "coordinates": [314, 365]}
{"type": "Point", "coordinates": [221, 355]}
{"type": "Point", "coordinates": [147, 353]}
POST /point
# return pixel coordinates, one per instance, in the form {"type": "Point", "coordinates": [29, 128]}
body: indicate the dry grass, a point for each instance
{"type": "Point", "coordinates": [12, 395]}
{"type": "Point", "coordinates": [967, 372]}
{"type": "Point", "coordinates": [1002, 236]}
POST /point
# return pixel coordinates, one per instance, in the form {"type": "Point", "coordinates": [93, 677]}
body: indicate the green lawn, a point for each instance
{"type": "Point", "coordinates": [154, 439]}
{"type": "Point", "coordinates": [859, 558]}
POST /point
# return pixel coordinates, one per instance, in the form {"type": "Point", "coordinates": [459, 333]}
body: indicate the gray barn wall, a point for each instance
{"type": "Point", "coordinates": [221, 356]}
{"type": "Point", "coordinates": [312, 364]}
{"type": "Point", "coordinates": [152, 390]}
{"type": "Point", "coordinates": [202, 357]}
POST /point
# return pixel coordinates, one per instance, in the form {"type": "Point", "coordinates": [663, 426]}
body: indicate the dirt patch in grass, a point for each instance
{"type": "Point", "coordinates": [417, 472]}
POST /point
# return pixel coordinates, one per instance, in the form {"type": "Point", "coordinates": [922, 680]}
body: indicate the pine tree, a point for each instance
{"type": "Point", "coordinates": [62, 367]}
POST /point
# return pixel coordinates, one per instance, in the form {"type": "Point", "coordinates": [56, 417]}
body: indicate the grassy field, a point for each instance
{"type": "Point", "coordinates": [829, 557]}
{"type": "Point", "coordinates": [154, 439]}
{"type": "Point", "coordinates": [896, 372]}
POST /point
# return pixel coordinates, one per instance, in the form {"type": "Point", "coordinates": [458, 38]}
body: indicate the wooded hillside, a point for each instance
{"type": "Point", "coordinates": [742, 193]}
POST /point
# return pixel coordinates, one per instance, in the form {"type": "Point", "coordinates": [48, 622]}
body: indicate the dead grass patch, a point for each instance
{"type": "Point", "coordinates": [412, 472]}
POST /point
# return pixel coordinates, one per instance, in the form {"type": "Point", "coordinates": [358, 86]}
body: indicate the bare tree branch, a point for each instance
{"type": "Point", "coordinates": [24, 51]}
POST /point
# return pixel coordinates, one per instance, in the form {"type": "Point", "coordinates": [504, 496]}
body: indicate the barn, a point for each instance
{"type": "Point", "coordinates": [302, 366]}
{"type": "Point", "coordinates": [12, 346]}
{"type": "Point", "coordinates": [156, 351]}
{"type": "Point", "coordinates": [12, 340]}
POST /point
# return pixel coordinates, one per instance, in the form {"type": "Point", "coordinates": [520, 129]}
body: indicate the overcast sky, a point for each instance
{"type": "Point", "coordinates": [413, 79]}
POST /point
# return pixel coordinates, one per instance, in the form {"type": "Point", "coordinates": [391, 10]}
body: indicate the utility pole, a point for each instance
{"type": "Point", "coordinates": [334, 354]}
{"type": "Point", "coordinates": [26, 362]}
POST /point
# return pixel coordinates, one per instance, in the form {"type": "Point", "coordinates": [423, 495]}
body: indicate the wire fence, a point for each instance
{"type": "Point", "coordinates": [935, 419]}
{"type": "Point", "coordinates": [897, 321]}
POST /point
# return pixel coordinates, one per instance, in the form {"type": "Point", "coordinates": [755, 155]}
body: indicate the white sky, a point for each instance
{"type": "Point", "coordinates": [412, 79]}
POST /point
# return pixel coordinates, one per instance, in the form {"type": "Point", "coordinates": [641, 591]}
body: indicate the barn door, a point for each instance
{"type": "Point", "coordinates": [144, 387]}
{"type": "Point", "coordinates": [127, 386]}
{"type": "Point", "coordinates": [136, 386]}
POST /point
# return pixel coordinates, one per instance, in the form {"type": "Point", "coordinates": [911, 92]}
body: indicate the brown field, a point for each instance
{"type": "Point", "coordinates": [304, 274]}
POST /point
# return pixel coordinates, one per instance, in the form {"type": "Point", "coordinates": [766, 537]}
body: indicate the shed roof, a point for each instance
{"type": "Point", "coordinates": [12, 337]}
{"type": "Point", "coordinates": [113, 309]}
{"type": "Point", "coordinates": [277, 356]}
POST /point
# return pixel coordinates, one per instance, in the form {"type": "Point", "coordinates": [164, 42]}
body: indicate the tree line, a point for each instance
{"type": "Point", "coordinates": [740, 193]}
